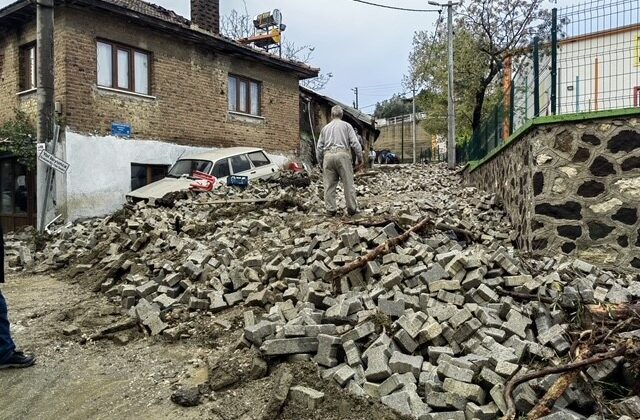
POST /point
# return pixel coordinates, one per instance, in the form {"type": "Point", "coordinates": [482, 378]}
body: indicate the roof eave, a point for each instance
{"type": "Point", "coordinates": [352, 112]}
{"type": "Point", "coordinates": [217, 43]}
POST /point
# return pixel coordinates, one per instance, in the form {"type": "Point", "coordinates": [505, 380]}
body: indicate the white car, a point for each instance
{"type": "Point", "coordinates": [221, 163]}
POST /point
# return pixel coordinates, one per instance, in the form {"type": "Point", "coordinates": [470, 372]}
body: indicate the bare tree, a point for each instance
{"type": "Point", "coordinates": [237, 25]}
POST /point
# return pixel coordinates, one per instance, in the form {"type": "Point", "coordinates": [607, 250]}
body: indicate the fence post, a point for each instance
{"type": "Point", "coordinates": [554, 60]}
{"type": "Point", "coordinates": [512, 107]}
{"type": "Point", "coordinates": [536, 77]}
{"type": "Point", "coordinates": [498, 126]}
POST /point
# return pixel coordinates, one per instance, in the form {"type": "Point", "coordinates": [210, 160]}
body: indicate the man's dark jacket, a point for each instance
{"type": "Point", "coordinates": [1, 255]}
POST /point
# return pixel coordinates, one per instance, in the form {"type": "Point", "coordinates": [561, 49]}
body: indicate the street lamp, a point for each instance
{"type": "Point", "coordinates": [451, 143]}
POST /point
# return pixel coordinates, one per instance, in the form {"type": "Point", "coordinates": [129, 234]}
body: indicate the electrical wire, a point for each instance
{"type": "Point", "coordinates": [404, 9]}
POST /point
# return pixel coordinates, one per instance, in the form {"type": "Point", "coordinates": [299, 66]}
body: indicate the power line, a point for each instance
{"type": "Point", "coordinates": [404, 9]}
{"type": "Point", "coordinates": [381, 86]}
{"type": "Point", "coordinates": [372, 105]}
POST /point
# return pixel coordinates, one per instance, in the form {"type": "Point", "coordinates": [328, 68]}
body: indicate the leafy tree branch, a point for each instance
{"type": "Point", "coordinates": [18, 136]}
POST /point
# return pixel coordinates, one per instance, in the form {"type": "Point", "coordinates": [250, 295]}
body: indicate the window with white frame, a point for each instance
{"type": "Point", "coordinates": [124, 68]}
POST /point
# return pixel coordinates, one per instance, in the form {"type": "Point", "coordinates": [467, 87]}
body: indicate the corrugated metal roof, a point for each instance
{"type": "Point", "coordinates": [354, 113]}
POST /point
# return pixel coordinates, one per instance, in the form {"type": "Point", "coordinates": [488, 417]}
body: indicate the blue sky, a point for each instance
{"type": "Point", "coordinates": [361, 45]}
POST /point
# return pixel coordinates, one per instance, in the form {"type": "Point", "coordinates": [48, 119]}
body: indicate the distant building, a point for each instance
{"type": "Point", "coordinates": [596, 71]}
{"type": "Point", "coordinates": [396, 135]}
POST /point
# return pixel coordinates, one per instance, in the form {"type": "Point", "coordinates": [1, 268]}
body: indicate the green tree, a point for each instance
{"type": "Point", "coordinates": [18, 136]}
{"type": "Point", "coordinates": [393, 107]}
{"type": "Point", "coordinates": [486, 33]}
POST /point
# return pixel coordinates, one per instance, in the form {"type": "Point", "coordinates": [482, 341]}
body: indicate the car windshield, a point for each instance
{"type": "Point", "coordinates": [189, 166]}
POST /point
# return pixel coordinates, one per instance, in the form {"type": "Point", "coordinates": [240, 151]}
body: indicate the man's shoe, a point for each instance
{"type": "Point", "coordinates": [18, 360]}
{"type": "Point", "coordinates": [331, 213]}
{"type": "Point", "coordinates": [354, 213]}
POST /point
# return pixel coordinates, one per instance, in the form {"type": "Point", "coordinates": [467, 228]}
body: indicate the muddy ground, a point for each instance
{"type": "Point", "coordinates": [133, 375]}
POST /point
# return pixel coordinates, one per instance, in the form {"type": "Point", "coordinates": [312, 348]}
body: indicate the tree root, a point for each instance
{"type": "Point", "coordinates": [335, 275]}
{"type": "Point", "coordinates": [514, 382]}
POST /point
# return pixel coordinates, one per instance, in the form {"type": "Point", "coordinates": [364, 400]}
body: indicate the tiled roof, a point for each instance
{"type": "Point", "coordinates": [152, 10]}
{"type": "Point", "coordinates": [157, 12]}
{"type": "Point", "coordinates": [160, 12]}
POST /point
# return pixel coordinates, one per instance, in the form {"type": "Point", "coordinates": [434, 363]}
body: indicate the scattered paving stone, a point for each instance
{"type": "Point", "coordinates": [434, 296]}
{"type": "Point", "coordinates": [307, 397]}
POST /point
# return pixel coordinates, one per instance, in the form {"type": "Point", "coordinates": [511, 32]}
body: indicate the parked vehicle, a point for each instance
{"type": "Point", "coordinates": [221, 163]}
{"type": "Point", "coordinates": [386, 156]}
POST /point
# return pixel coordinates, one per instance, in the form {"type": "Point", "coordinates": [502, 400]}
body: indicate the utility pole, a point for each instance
{"type": "Point", "coordinates": [451, 141]}
{"type": "Point", "coordinates": [413, 119]}
{"type": "Point", "coordinates": [355, 90]}
{"type": "Point", "coordinates": [44, 68]}
{"type": "Point", "coordinates": [402, 140]}
{"type": "Point", "coordinates": [45, 81]}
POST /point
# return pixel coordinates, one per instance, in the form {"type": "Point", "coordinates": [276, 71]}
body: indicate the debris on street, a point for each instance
{"type": "Point", "coordinates": [420, 302]}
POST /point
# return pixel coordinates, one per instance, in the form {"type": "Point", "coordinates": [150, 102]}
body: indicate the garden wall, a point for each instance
{"type": "Point", "coordinates": [571, 184]}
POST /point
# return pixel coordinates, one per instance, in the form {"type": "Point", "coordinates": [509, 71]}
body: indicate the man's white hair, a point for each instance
{"type": "Point", "coordinates": [337, 112]}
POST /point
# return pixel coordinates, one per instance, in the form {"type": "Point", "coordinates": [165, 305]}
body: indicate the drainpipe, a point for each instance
{"type": "Point", "coordinates": [313, 134]}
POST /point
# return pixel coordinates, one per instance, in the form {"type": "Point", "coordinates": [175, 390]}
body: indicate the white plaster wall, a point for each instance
{"type": "Point", "coordinates": [100, 173]}
{"type": "Point", "coordinates": [618, 72]}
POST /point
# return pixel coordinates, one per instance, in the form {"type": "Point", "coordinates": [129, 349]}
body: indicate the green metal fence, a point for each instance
{"type": "Point", "coordinates": [589, 61]}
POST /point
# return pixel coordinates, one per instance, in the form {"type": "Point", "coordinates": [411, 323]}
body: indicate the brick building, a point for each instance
{"type": "Point", "coordinates": [178, 85]}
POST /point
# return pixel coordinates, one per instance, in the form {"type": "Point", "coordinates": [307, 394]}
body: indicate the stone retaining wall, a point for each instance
{"type": "Point", "coordinates": [572, 187]}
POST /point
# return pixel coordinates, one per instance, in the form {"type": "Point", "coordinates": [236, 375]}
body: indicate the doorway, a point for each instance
{"type": "Point", "coordinates": [17, 194]}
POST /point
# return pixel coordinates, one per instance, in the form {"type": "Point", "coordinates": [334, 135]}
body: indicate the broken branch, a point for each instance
{"type": "Point", "coordinates": [381, 250]}
{"type": "Point", "coordinates": [369, 222]}
{"type": "Point", "coordinates": [105, 332]}
{"type": "Point", "coordinates": [469, 236]}
{"type": "Point", "coordinates": [514, 382]}
{"type": "Point", "coordinates": [614, 312]}
{"type": "Point", "coordinates": [556, 390]}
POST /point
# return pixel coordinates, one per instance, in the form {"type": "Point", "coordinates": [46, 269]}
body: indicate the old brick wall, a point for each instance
{"type": "Point", "coordinates": [188, 85]}
{"type": "Point", "coordinates": [11, 97]}
{"type": "Point", "coordinates": [582, 196]}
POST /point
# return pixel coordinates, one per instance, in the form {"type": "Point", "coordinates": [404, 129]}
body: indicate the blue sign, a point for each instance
{"type": "Point", "coordinates": [238, 181]}
{"type": "Point", "coordinates": [121, 130]}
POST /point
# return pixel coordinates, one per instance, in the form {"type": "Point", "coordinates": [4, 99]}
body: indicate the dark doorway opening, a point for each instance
{"type": "Point", "coordinates": [17, 194]}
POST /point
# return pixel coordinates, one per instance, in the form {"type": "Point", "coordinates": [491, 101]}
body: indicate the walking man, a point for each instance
{"type": "Point", "coordinates": [337, 139]}
{"type": "Point", "coordinates": [9, 357]}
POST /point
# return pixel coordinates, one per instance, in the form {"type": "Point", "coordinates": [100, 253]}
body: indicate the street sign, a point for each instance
{"type": "Point", "coordinates": [51, 160]}
{"type": "Point", "coordinates": [121, 130]}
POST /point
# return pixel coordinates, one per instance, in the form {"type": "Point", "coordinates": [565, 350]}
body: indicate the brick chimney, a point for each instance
{"type": "Point", "coordinates": [205, 14]}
